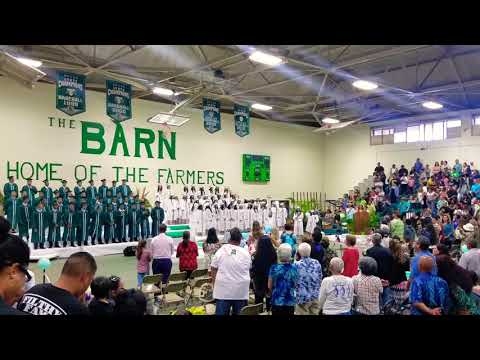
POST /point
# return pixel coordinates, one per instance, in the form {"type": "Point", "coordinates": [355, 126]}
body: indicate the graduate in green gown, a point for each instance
{"type": "Point", "coordinates": [55, 223]}
{"type": "Point", "coordinates": [91, 192]}
{"type": "Point", "coordinates": [96, 225]}
{"type": "Point", "coordinates": [108, 221]}
{"type": "Point", "coordinates": [8, 188]}
{"type": "Point", "coordinates": [114, 190]}
{"type": "Point", "coordinates": [144, 221]}
{"type": "Point", "coordinates": [70, 225]}
{"type": "Point", "coordinates": [25, 218]}
{"type": "Point", "coordinates": [64, 190]}
{"type": "Point", "coordinates": [134, 217]}
{"type": "Point", "coordinates": [124, 189]}
{"type": "Point", "coordinates": [107, 199]}
{"type": "Point", "coordinates": [13, 210]}
{"type": "Point", "coordinates": [40, 223]}
{"type": "Point", "coordinates": [83, 222]}
{"type": "Point", "coordinates": [47, 194]}
{"type": "Point", "coordinates": [30, 190]}
{"type": "Point", "coordinates": [40, 198]}
{"type": "Point", "coordinates": [158, 215]}
{"type": "Point", "coordinates": [126, 202]}
{"type": "Point", "coordinates": [78, 189]}
{"type": "Point", "coordinates": [97, 204]}
{"type": "Point", "coordinates": [121, 217]}
{"type": "Point", "coordinates": [103, 189]}
{"type": "Point", "coordinates": [115, 205]}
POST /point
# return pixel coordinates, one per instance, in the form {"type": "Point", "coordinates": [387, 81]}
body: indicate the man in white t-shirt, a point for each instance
{"type": "Point", "coordinates": [231, 276]}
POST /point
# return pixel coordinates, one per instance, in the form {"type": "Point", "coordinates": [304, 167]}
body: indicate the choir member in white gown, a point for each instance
{"type": "Point", "coordinates": [298, 222]}
{"type": "Point", "coordinates": [222, 218]}
{"type": "Point", "coordinates": [159, 195]}
{"type": "Point", "coordinates": [284, 216]}
{"type": "Point", "coordinates": [197, 217]}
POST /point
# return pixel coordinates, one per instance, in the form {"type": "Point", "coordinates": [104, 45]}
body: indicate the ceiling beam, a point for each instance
{"type": "Point", "coordinates": [115, 59]}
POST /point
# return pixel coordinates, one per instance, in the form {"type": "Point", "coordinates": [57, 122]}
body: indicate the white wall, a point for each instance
{"type": "Point", "coordinates": [349, 157]}
{"type": "Point", "coordinates": [296, 159]}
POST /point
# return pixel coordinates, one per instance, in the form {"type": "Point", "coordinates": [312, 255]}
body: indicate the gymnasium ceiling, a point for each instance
{"type": "Point", "coordinates": [315, 82]}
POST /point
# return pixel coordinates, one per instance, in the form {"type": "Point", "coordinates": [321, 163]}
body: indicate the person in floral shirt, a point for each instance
{"type": "Point", "coordinates": [308, 285]}
{"type": "Point", "coordinates": [282, 281]}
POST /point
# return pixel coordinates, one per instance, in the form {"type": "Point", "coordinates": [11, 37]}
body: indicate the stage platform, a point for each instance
{"type": "Point", "coordinates": [102, 250]}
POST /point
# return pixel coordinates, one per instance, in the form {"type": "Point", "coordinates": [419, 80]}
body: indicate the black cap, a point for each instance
{"type": "Point", "coordinates": [46, 180]}
{"type": "Point", "coordinates": [103, 180]}
{"type": "Point", "coordinates": [14, 250]}
{"type": "Point", "coordinates": [64, 181]}
{"type": "Point", "coordinates": [29, 179]}
{"type": "Point", "coordinates": [91, 181]}
{"type": "Point", "coordinates": [78, 181]}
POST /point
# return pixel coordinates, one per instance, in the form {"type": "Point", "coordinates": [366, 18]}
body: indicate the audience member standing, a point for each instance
{"type": "Point", "coordinates": [162, 251]}
{"type": "Point", "coordinates": [471, 259]}
{"type": "Point", "coordinates": [429, 293]}
{"type": "Point", "coordinates": [264, 258]}
{"type": "Point", "coordinates": [350, 256]}
{"type": "Point", "coordinates": [282, 281]}
{"type": "Point", "coordinates": [187, 252]}
{"type": "Point", "coordinates": [367, 288]}
{"type": "Point", "coordinates": [144, 257]}
{"type": "Point", "coordinates": [231, 276]}
{"type": "Point", "coordinates": [309, 280]}
{"type": "Point", "coordinates": [336, 291]}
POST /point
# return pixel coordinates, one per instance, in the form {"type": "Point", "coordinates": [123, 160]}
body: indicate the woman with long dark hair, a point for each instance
{"type": "Point", "coordinates": [257, 233]}
{"type": "Point", "coordinates": [460, 283]}
{"type": "Point", "coordinates": [210, 246]}
{"type": "Point", "coordinates": [264, 257]}
{"type": "Point", "coordinates": [187, 252]}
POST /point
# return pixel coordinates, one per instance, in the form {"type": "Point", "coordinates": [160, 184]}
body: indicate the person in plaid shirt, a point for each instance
{"type": "Point", "coordinates": [367, 288]}
{"type": "Point", "coordinates": [187, 252]}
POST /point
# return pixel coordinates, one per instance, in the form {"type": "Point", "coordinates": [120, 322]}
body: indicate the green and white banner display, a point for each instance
{"type": "Point", "coordinates": [211, 115]}
{"type": "Point", "coordinates": [241, 115]}
{"type": "Point", "coordinates": [119, 100]}
{"type": "Point", "coordinates": [70, 93]}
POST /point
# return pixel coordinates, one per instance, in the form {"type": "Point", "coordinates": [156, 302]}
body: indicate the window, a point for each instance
{"type": "Point", "coordinates": [413, 133]}
{"type": "Point", "coordinates": [476, 120]}
{"type": "Point", "coordinates": [437, 133]}
{"type": "Point", "coordinates": [377, 132]}
{"type": "Point", "coordinates": [454, 123]}
{"type": "Point", "coordinates": [400, 137]}
{"type": "Point", "coordinates": [387, 131]}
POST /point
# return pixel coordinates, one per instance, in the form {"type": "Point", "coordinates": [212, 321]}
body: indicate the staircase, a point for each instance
{"type": "Point", "coordinates": [363, 185]}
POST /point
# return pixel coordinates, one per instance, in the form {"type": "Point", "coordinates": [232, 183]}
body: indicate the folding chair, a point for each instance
{"type": "Point", "coordinates": [150, 289]}
{"type": "Point", "coordinates": [195, 284]}
{"type": "Point", "coordinates": [177, 277]}
{"type": "Point", "coordinates": [171, 295]}
{"type": "Point", "coordinates": [150, 284]}
{"type": "Point", "coordinates": [252, 309]}
{"type": "Point", "coordinates": [195, 275]}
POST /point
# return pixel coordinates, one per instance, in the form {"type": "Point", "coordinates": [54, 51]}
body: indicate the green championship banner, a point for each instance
{"type": "Point", "coordinates": [241, 115]}
{"type": "Point", "coordinates": [119, 100]}
{"type": "Point", "coordinates": [211, 115]}
{"type": "Point", "coordinates": [70, 93]}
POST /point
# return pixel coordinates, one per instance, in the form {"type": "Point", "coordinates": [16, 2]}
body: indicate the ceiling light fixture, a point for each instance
{"type": "Point", "coordinates": [265, 58]}
{"type": "Point", "coordinates": [30, 62]}
{"type": "Point", "coordinates": [328, 120]}
{"type": "Point", "coordinates": [169, 119]}
{"type": "Point", "coordinates": [365, 85]}
{"type": "Point", "coordinates": [261, 107]}
{"type": "Point", "coordinates": [432, 105]}
{"type": "Point", "coordinates": [162, 91]}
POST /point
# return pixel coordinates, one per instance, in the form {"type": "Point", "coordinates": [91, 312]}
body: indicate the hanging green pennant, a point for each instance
{"type": "Point", "coordinates": [70, 93]}
{"type": "Point", "coordinates": [119, 100]}
{"type": "Point", "coordinates": [241, 115]}
{"type": "Point", "coordinates": [211, 115]}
